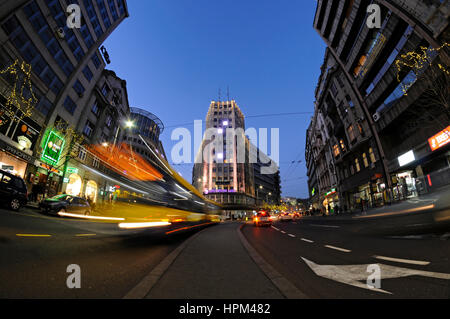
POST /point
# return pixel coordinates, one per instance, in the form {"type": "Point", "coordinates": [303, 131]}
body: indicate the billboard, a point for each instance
{"type": "Point", "coordinates": [440, 139]}
{"type": "Point", "coordinates": [53, 148]}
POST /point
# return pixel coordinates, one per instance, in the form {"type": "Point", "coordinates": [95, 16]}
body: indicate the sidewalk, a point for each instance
{"type": "Point", "coordinates": [440, 199]}
{"type": "Point", "coordinates": [214, 265]}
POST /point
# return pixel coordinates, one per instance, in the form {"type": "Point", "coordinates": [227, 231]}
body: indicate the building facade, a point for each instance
{"type": "Point", "coordinates": [230, 169]}
{"type": "Point", "coordinates": [62, 72]}
{"type": "Point", "coordinates": [386, 121]}
{"type": "Point", "coordinates": [149, 127]}
{"type": "Point", "coordinates": [222, 169]}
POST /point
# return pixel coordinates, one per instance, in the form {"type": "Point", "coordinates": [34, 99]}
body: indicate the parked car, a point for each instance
{"type": "Point", "coordinates": [65, 204]}
{"type": "Point", "coordinates": [13, 190]}
{"type": "Point", "coordinates": [262, 219]}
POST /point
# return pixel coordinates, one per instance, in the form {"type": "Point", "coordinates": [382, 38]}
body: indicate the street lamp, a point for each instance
{"type": "Point", "coordinates": [128, 124]}
{"type": "Point", "coordinates": [257, 192]}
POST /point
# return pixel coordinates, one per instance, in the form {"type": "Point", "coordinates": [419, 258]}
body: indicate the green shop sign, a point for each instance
{"type": "Point", "coordinates": [72, 170]}
{"type": "Point", "coordinates": [53, 148]}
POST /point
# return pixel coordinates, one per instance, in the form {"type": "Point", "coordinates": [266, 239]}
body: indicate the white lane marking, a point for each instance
{"type": "Point", "coordinates": [339, 249]}
{"type": "Point", "coordinates": [283, 232]}
{"type": "Point", "coordinates": [308, 241]}
{"type": "Point", "coordinates": [325, 226]}
{"type": "Point", "coordinates": [275, 228]}
{"type": "Point", "coordinates": [293, 236]}
{"type": "Point", "coordinates": [356, 275]}
{"type": "Point", "coordinates": [405, 261]}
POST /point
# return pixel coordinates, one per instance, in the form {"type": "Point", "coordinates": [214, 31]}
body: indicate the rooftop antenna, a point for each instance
{"type": "Point", "coordinates": [220, 93]}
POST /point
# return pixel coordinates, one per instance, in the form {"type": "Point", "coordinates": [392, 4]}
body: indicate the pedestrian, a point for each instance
{"type": "Point", "coordinates": [337, 209]}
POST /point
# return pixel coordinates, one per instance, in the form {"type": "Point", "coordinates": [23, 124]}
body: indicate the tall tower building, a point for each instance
{"type": "Point", "coordinates": [222, 170]}
{"type": "Point", "coordinates": [65, 77]}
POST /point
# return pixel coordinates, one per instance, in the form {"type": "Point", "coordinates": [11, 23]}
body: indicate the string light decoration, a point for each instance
{"type": "Point", "coordinates": [418, 62]}
{"type": "Point", "coordinates": [21, 72]}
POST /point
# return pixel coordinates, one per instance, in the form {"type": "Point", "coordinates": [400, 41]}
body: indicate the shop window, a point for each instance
{"type": "Point", "coordinates": [74, 185]}
{"type": "Point", "coordinates": [91, 191]}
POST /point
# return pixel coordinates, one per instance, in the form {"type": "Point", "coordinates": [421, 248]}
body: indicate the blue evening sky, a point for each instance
{"type": "Point", "coordinates": [176, 54]}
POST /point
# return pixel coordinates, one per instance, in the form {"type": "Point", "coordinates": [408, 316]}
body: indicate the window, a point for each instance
{"type": "Point", "coordinates": [93, 18]}
{"type": "Point", "coordinates": [372, 155]}
{"type": "Point", "coordinates": [104, 13]}
{"type": "Point", "coordinates": [88, 129]}
{"type": "Point", "coordinates": [342, 145]}
{"type": "Point", "coordinates": [108, 123]}
{"type": "Point", "coordinates": [336, 150]}
{"type": "Point", "coordinates": [351, 133]}
{"type": "Point", "coordinates": [96, 61]}
{"type": "Point", "coordinates": [61, 20]}
{"type": "Point", "coordinates": [88, 73]}
{"type": "Point", "coordinates": [95, 108]}
{"type": "Point", "coordinates": [105, 90]}
{"type": "Point", "coordinates": [31, 55]}
{"type": "Point", "coordinates": [79, 88]}
{"type": "Point", "coordinates": [358, 167]}
{"type": "Point", "coordinates": [390, 59]}
{"type": "Point", "coordinates": [121, 7]}
{"type": "Point", "coordinates": [112, 8]}
{"type": "Point", "coordinates": [361, 131]}
{"type": "Point", "coordinates": [365, 161]}
{"type": "Point", "coordinates": [333, 89]}
{"type": "Point", "coordinates": [82, 154]}
{"type": "Point", "coordinates": [95, 162]}
{"type": "Point", "coordinates": [70, 105]}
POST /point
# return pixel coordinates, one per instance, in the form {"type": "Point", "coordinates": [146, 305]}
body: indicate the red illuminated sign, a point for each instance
{"type": "Point", "coordinates": [440, 139]}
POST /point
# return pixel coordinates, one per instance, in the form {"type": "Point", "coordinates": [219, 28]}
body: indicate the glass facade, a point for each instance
{"type": "Point", "coordinates": [47, 36]}
{"type": "Point", "coordinates": [31, 55]}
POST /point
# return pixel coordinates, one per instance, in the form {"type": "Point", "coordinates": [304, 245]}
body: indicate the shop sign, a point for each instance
{"type": "Point", "coordinates": [50, 169]}
{"type": "Point", "coordinates": [406, 158]}
{"type": "Point", "coordinates": [331, 192]}
{"type": "Point", "coordinates": [440, 139]}
{"type": "Point", "coordinates": [24, 131]}
{"type": "Point", "coordinates": [14, 151]}
{"type": "Point", "coordinates": [53, 148]}
{"type": "Point", "coordinates": [72, 170]}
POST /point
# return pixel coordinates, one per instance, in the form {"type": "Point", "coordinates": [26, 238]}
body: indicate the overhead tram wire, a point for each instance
{"type": "Point", "coordinates": [252, 116]}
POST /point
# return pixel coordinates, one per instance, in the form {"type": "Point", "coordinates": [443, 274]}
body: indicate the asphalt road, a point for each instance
{"type": "Point", "coordinates": [306, 252]}
{"type": "Point", "coordinates": [35, 251]}
{"type": "Point", "coordinates": [322, 257]}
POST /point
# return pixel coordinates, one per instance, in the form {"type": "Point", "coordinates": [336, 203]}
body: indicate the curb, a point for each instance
{"type": "Point", "coordinates": [286, 288]}
{"type": "Point", "coordinates": [148, 282]}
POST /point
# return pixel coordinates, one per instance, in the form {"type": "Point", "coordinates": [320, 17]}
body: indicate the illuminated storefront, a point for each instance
{"type": "Point", "coordinates": [91, 191]}
{"type": "Point", "coordinates": [12, 164]}
{"type": "Point", "coordinates": [74, 185]}
{"type": "Point", "coordinates": [330, 201]}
